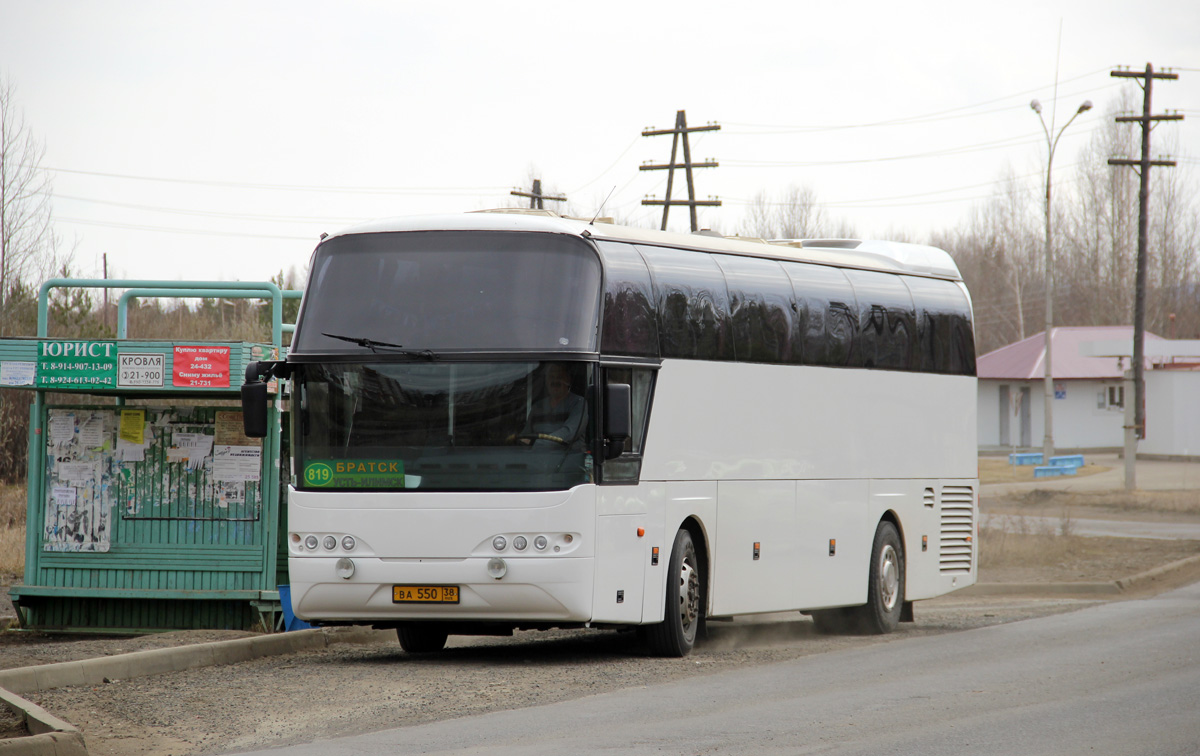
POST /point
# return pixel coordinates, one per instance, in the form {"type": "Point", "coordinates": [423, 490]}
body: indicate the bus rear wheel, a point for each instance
{"type": "Point", "coordinates": [421, 639]}
{"type": "Point", "coordinates": [684, 605]}
{"type": "Point", "coordinates": [885, 592]}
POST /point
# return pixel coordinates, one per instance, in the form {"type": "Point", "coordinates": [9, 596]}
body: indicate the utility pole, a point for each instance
{"type": "Point", "coordinates": [1138, 428]}
{"type": "Point", "coordinates": [536, 198]}
{"type": "Point", "coordinates": [681, 130]}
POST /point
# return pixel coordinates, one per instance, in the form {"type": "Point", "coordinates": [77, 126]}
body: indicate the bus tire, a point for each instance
{"type": "Point", "coordinates": [684, 605]}
{"type": "Point", "coordinates": [885, 589]}
{"type": "Point", "coordinates": [421, 639]}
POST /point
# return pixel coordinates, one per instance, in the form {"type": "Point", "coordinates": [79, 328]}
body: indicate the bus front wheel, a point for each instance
{"type": "Point", "coordinates": [421, 639]}
{"type": "Point", "coordinates": [684, 606]}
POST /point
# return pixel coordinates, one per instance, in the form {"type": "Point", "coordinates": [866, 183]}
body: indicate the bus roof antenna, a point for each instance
{"type": "Point", "coordinates": [602, 204]}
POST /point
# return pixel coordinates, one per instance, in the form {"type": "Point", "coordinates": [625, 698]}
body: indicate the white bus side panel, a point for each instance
{"type": "Point", "coordinates": [832, 510]}
{"type": "Point", "coordinates": [861, 443]}
{"type": "Point", "coordinates": [754, 513]}
{"type": "Point", "coordinates": [731, 421]}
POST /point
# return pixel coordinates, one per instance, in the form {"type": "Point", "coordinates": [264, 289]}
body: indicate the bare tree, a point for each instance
{"type": "Point", "coordinates": [26, 237]}
{"type": "Point", "coordinates": [797, 215]}
{"type": "Point", "coordinates": [998, 252]}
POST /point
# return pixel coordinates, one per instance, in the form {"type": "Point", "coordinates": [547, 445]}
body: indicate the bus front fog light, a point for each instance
{"type": "Point", "coordinates": [519, 543]}
{"type": "Point", "coordinates": [539, 543]}
{"type": "Point", "coordinates": [330, 543]}
{"type": "Point", "coordinates": [310, 542]}
{"type": "Point", "coordinates": [496, 568]}
{"type": "Point", "coordinates": [344, 568]}
{"type": "Point", "coordinates": [348, 543]}
{"type": "Point", "coordinates": [499, 542]}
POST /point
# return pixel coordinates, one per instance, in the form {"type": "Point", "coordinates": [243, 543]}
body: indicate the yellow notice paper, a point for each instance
{"type": "Point", "coordinates": [133, 426]}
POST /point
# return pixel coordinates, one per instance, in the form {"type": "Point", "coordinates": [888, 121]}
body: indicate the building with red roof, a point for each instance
{"type": "Point", "coordinates": [1089, 388]}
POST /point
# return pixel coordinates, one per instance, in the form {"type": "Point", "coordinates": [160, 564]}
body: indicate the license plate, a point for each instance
{"type": "Point", "coordinates": [424, 594]}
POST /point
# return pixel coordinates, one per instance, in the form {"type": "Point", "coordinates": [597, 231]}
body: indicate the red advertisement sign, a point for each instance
{"type": "Point", "coordinates": [201, 367]}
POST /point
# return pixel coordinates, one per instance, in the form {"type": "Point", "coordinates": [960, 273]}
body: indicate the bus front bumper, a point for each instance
{"type": "Point", "coordinates": [534, 589]}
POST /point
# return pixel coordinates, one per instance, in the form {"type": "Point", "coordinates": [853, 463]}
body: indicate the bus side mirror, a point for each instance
{"type": "Point", "coordinates": [618, 418]}
{"type": "Point", "coordinates": [254, 409]}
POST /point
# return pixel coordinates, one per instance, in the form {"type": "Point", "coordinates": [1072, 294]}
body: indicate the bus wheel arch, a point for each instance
{"type": "Point", "coordinates": [685, 600]}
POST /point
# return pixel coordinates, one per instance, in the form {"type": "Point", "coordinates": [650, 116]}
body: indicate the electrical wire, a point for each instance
{"type": "Point", "coordinates": [467, 191]}
{"type": "Point", "coordinates": [926, 116]}
{"type": "Point", "coordinates": [961, 150]}
{"type": "Point", "coordinates": [190, 231]}
{"type": "Point", "coordinates": [210, 214]}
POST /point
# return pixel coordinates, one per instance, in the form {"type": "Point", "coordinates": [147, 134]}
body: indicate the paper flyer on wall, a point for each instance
{"type": "Point", "coordinates": [236, 463]}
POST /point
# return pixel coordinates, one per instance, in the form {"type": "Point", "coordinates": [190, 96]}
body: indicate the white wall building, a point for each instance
{"type": "Point", "coordinates": [1089, 391]}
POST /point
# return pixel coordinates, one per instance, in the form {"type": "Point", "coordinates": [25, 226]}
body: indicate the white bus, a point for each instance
{"type": "Point", "coordinates": [509, 421]}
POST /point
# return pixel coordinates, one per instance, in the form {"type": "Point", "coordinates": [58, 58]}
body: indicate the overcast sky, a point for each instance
{"type": "Point", "coordinates": [217, 140]}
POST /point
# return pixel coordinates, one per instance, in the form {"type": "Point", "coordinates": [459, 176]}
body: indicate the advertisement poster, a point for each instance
{"type": "Point", "coordinates": [200, 367]}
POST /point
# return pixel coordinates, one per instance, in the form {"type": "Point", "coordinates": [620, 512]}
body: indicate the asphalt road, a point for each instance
{"type": "Point", "coordinates": [1118, 678]}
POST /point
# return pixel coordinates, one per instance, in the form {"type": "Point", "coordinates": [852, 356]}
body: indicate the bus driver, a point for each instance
{"type": "Point", "coordinates": [560, 416]}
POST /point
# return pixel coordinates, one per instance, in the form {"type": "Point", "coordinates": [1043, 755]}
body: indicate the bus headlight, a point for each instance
{"type": "Point", "coordinates": [540, 542]}
{"type": "Point", "coordinates": [348, 543]}
{"type": "Point", "coordinates": [499, 542]}
{"type": "Point", "coordinates": [519, 543]}
{"type": "Point", "coordinates": [310, 542]}
{"type": "Point", "coordinates": [330, 543]}
{"type": "Point", "coordinates": [496, 568]}
{"type": "Point", "coordinates": [344, 568]}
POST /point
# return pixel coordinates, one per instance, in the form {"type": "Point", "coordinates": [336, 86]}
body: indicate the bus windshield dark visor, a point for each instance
{"type": "Point", "coordinates": [451, 290]}
{"type": "Point", "coordinates": [515, 426]}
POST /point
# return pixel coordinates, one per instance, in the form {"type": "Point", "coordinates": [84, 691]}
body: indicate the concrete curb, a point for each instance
{"type": "Point", "coordinates": [52, 736]}
{"type": "Point", "coordinates": [1158, 573]}
{"type": "Point", "coordinates": [1082, 590]}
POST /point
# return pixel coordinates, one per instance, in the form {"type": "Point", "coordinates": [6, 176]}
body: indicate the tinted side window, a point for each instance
{"type": "Point", "coordinates": [761, 304]}
{"type": "Point", "coordinates": [692, 304]}
{"type": "Point", "coordinates": [827, 314]}
{"type": "Point", "coordinates": [944, 333]}
{"type": "Point", "coordinates": [630, 324]}
{"type": "Point", "coordinates": [886, 321]}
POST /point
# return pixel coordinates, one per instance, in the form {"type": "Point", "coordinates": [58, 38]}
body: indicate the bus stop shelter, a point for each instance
{"type": "Point", "coordinates": [148, 509]}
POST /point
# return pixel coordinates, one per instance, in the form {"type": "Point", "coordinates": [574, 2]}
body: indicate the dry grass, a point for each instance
{"type": "Point", "coordinates": [1047, 503]}
{"type": "Point", "coordinates": [1034, 550]}
{"type": "Point", "coordinates": [12, 530]}
{"type": "Point", "coordinates": [997, 470]}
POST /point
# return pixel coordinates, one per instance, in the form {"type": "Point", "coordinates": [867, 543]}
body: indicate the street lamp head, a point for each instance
{"type": "Point", "coordinates": [1086, 106]}
{"type": "Point", "coordinates": [1037, 106]}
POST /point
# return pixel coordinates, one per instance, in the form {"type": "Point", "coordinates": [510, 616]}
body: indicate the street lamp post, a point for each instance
{"type": "Point", "coordinates": [1048, 400]}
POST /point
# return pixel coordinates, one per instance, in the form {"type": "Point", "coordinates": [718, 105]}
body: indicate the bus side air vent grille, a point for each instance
{"type": "Point", "coordinates": [955, 545]}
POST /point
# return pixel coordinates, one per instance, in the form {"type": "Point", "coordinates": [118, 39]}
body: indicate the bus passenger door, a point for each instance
{"type": "Point", "coordinates": [622, 555]}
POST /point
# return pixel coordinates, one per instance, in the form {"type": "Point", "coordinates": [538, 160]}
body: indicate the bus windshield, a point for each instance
{"type": "Point", "coordinates": [514, 426]}
{"type": "Point", "coordinates": [481, 291]}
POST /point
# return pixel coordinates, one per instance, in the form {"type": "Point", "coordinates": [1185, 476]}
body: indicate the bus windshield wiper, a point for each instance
{"type": "Point", "coordinates": [375, 346]}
